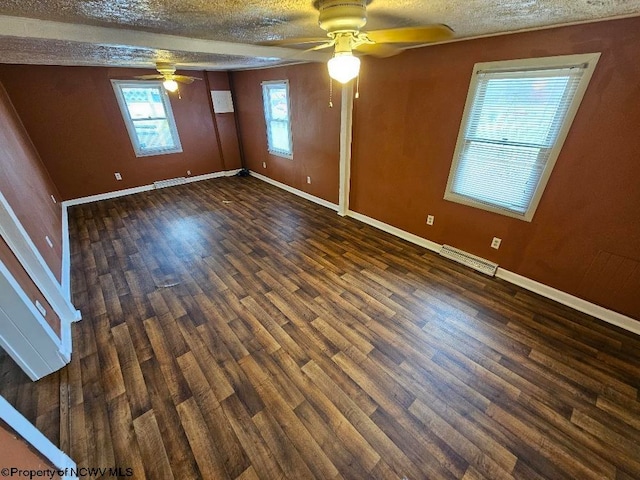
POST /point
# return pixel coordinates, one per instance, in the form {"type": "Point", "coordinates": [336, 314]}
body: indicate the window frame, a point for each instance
{"type": "Point", "coordinates": [118, 85]}
{"type": "Point", "coordinates": [267, 117]}
{"type": "Point", "coordinates": [589, 60]}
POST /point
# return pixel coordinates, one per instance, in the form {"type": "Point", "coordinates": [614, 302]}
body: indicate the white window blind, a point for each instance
{"type": "Point", "coordinates": [277, 117]}
{"type": "Point", "coordinates": [511, 134]}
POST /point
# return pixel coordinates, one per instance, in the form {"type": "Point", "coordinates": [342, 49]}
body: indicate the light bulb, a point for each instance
{"type": "Point", "coordinates": [170, 85]}
{"type": "Point", "coordinates": [344, 67]}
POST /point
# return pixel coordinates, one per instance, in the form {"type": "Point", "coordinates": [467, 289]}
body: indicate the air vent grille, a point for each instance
{"type": "Point", "coordinates": [477, 263]}
{"type": "Point", "coordinates": [170, 182]}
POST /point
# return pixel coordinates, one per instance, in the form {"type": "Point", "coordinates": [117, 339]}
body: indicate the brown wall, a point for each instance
{"type": "Point", "coordinates": [315, 128]}
{"type": "Point", "coordinates": [225, 124]}
{"type": "Point", "coordinates": [585, 236]}
{"type": "Point", "coordinates": [27, 187]}
{"type": "Point", "coordinates": [15, 453]}
{"type": "Point", "coordinates": [72, 116]}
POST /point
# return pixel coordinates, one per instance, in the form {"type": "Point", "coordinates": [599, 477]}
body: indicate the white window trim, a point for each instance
{"type": "Point", "coordinates": [589, 59]}
{"type": "Point", "coordinates": [272, 151]}
{"type": "Point", "coordinates": [117, 85]}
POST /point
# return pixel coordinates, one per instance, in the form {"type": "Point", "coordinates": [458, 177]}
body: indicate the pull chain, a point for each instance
{"type": "Point", "coordinates": [358, 86]}
{"type": "Point", "coordinates": [330, 92]}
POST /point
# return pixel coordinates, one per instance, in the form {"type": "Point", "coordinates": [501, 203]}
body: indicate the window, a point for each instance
{"type": "Point", "coordinates": [276, 114]}
{"type": "Point", "coordinates": [515, 121]}
{"type": "Point", "coordinates": [147, 114]}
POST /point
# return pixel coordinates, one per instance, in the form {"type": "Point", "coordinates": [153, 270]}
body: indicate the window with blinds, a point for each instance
{"type": "Point", "coordinates": [147, 114]}
{"type": "Point", "coordinates": [516, 118]}
{"type": "Point", "coordinates": [275, 95]}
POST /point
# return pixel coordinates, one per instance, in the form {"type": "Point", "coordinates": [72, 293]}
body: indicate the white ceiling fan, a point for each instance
{"type": "Point", "coordinates": [343, 21]}
{"type": "Point", "coordinates": [167, 73]}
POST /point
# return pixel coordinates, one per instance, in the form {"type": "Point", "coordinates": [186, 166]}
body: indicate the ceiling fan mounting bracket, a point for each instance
{"type": "Point", "coordinates": [342, 15]}
{"type": "Point", "coordinates": [166, 69]}
{"type": "Point", "coordinates": [345, 41]}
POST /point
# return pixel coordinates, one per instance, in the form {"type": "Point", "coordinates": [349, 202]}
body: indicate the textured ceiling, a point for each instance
{"type": "Point", "coordinates": [56, 52]}
{"type": "Point", "coordinates": [245, 23]}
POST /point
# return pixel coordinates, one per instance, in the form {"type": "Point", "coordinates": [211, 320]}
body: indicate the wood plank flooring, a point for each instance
{"type": "Point", "coordinates": [234, 331]}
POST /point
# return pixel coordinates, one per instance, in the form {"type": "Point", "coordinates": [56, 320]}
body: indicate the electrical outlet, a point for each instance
{"type": "Point", "coordinates": [495, 243]}
{"type": "Point", "coordinates": [118, 176]}
{"type": "Point", "coordinates": [188, 172]}
{"type": "Point", "coordinates": [430, 219]}
{"type": "Point", "coordinates": [49, 242]}
{"type": "Point", "coordinates": [53, 199]}
{"type": "Point", "coordinates": [41, 309]}
{"type": "Point", "coordinates": [308, 179]}
{"type": "Point", "coordinates": [264, 164]}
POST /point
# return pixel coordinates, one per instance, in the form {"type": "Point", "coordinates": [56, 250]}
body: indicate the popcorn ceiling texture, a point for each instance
{"type": "Point", "coordinates": [253, 21]}
{"type": "Point", "coordinates": [50, 52]}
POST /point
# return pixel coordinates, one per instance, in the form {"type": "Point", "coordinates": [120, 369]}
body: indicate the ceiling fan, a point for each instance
{"type": "Point", "coordinates": [343, 21]}
{"type": "Point", "coordinates": [167, 73]}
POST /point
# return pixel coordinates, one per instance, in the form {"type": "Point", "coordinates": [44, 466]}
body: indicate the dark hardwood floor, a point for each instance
{"type": "Point", "coordinates": [232, 330]}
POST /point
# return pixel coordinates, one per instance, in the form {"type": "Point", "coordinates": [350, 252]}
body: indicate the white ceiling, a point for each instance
{"type": "Point", "coordinates": [222, 35]}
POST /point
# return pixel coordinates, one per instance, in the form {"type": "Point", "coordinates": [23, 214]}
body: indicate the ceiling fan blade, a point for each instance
{"type": "Point", "coordinates": [425, 34]}
{"type": "Point", "coordinates": [185, 78]}
{"type": "Point", "coordinates": [320, 47]}
{"type": "Point", "coordinates": [380, 50]}
{"type": "Point", "coordinates": [294, 41]}
{"type": "Point", "coordinates": [150, 77]}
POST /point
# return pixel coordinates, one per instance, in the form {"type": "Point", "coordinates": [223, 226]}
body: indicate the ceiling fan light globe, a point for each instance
{"type": "Point", "coordinates": [344, 67]}
{"type": "Point", "coordinates": [170, 85]}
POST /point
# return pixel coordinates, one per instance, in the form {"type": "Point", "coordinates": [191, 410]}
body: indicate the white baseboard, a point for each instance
{"type": "Point", "coordinates": [143, 188]}
{"type": "Point", "coordinates": [572, 301]}
{"type": "Point", "coordinates": [609, 316]}
{"type": "Point", "coordinates": [66, 281]}
{"type": "Point", "coordinates": [409, 237]}
{"type": "Point", "coordinates": [208, 176]}
{"type": "Point", "coordinates": [295, 191]}
{"type": "Point", "coordinates": [66, 254]}
{"type": "Point", "coordinates": [66, 346]}
{"type": "Point", "coordinates": [69, 468]}
{"type": "Point", "coordinates": [36, 439]}
{"type": "Point", "coordinates": [108, 195]}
